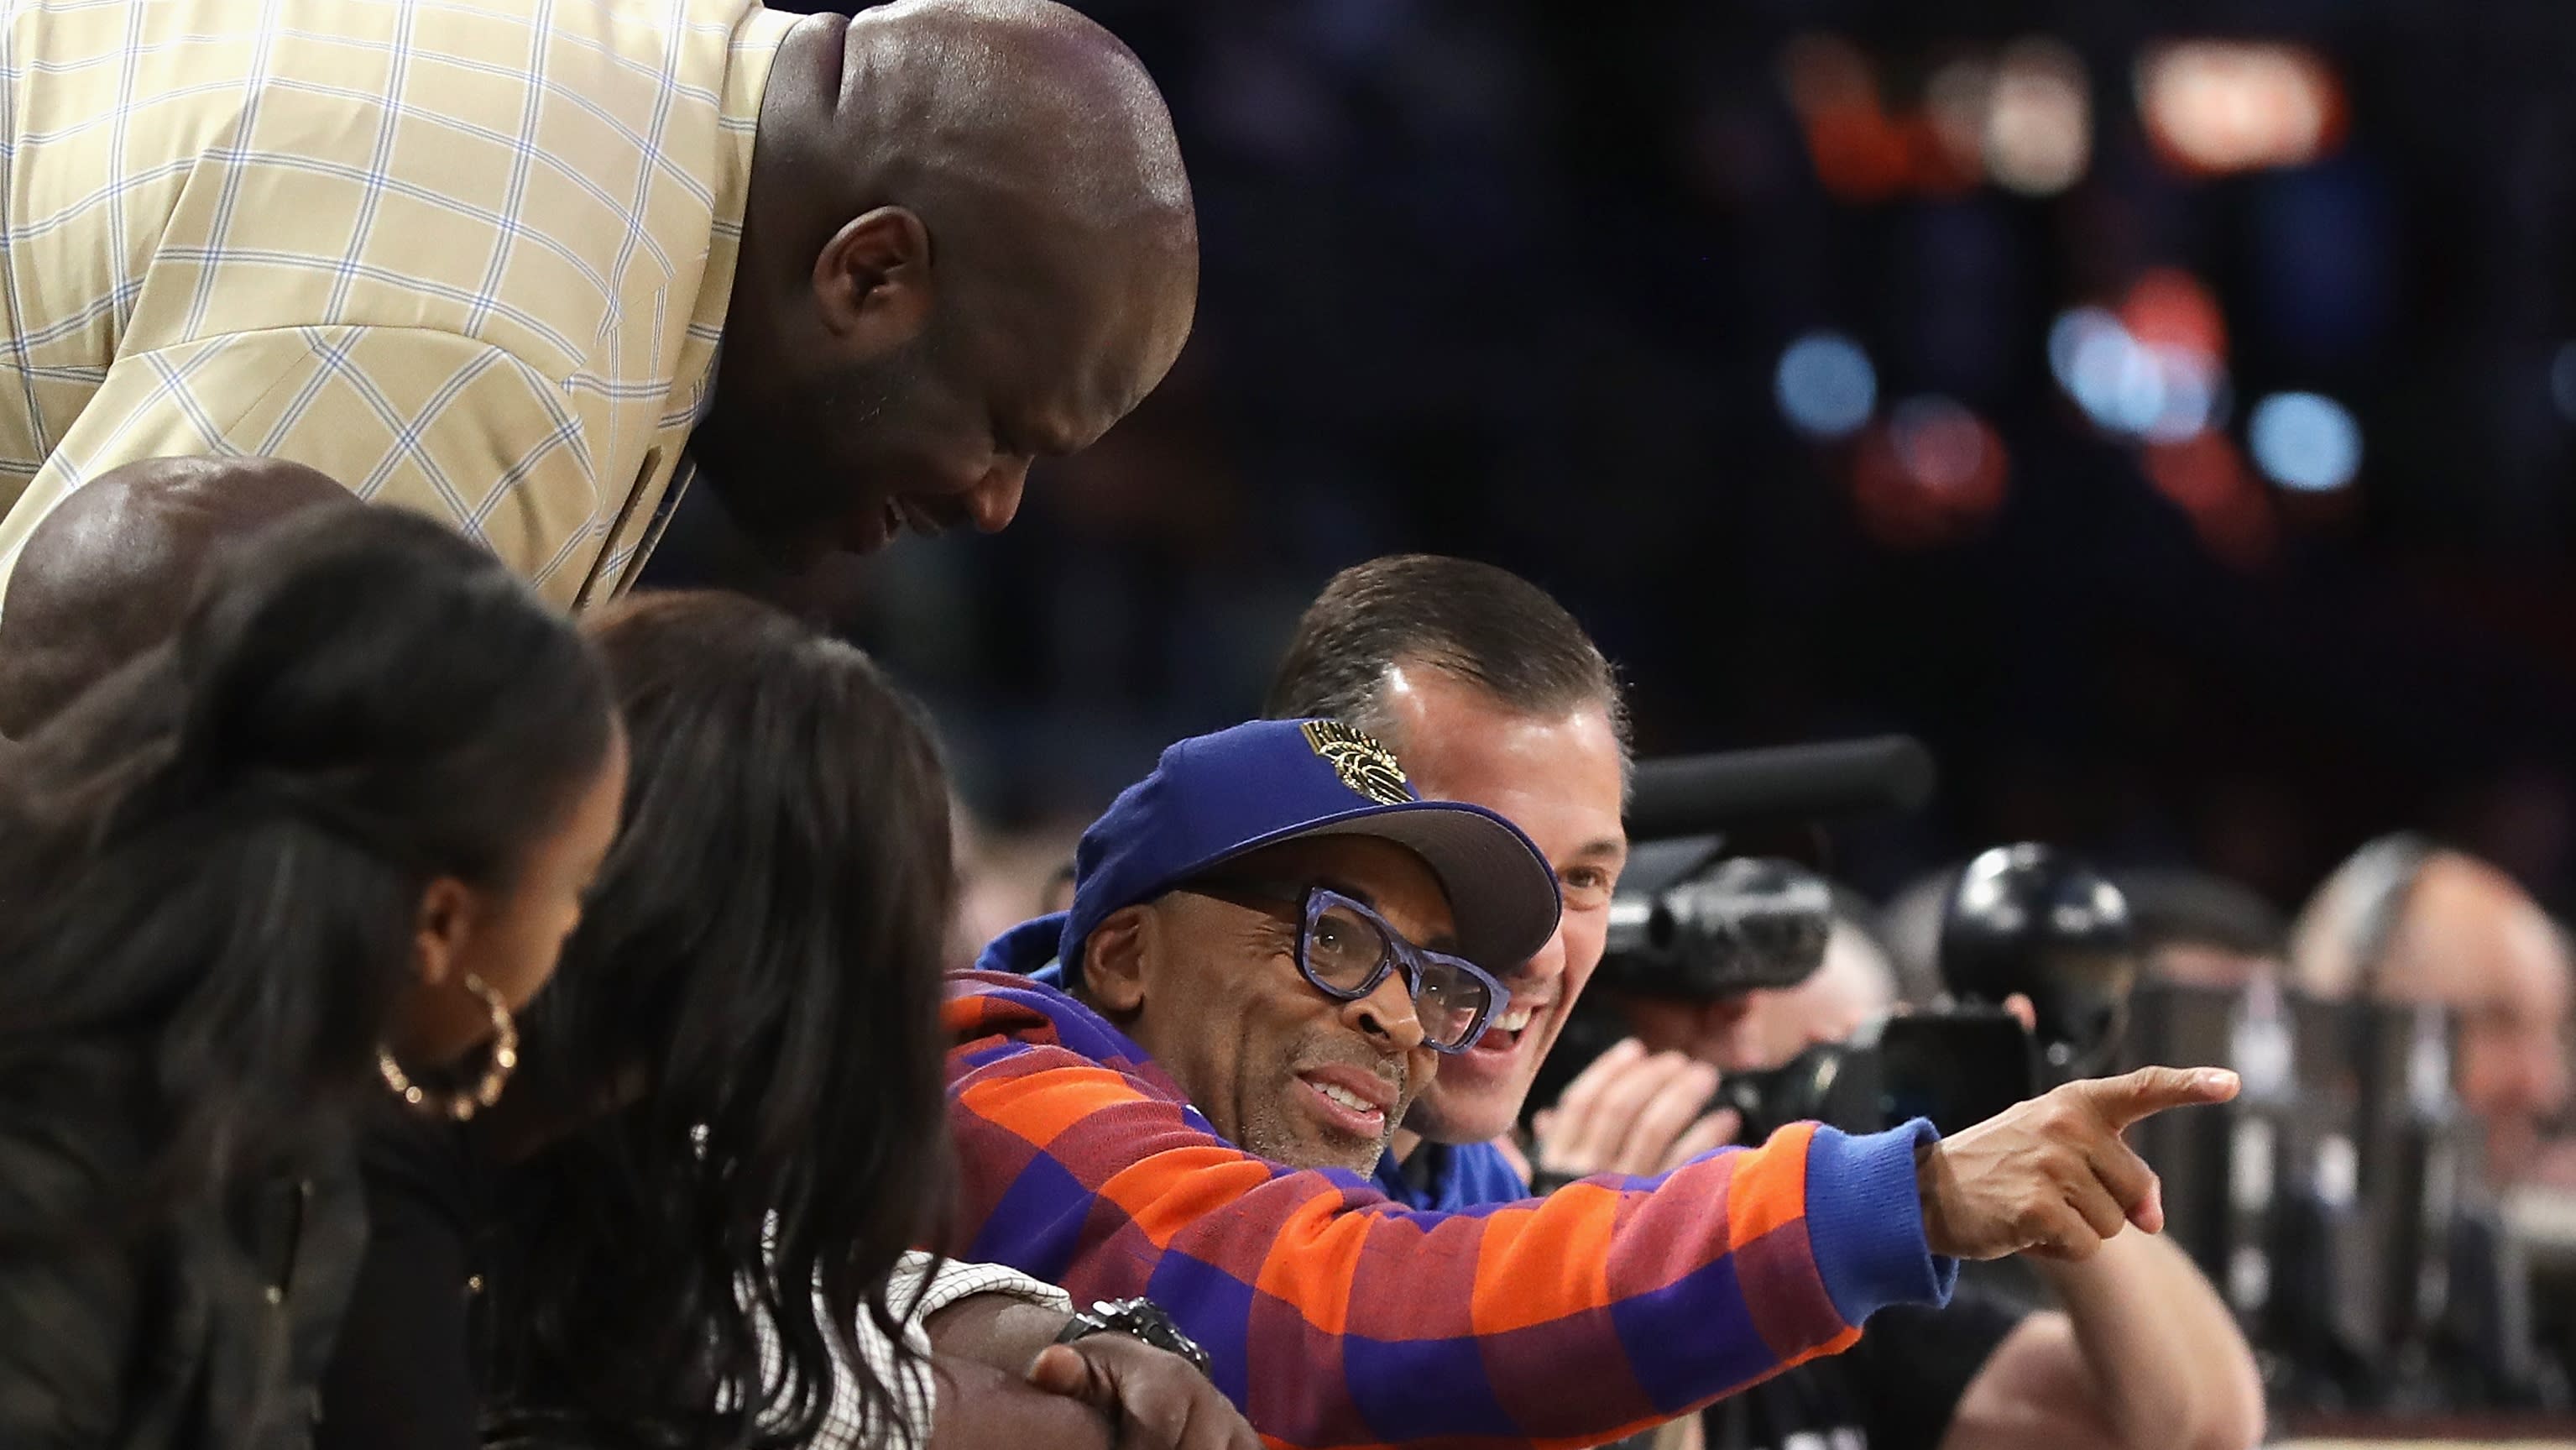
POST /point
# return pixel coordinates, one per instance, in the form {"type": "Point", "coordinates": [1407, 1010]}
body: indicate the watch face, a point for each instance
{"type": "Point", "coordinates": [1141, 1320]}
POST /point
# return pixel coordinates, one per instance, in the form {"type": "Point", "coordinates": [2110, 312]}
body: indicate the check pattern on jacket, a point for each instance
{"type": "Point", "coordinates": [922, 1285]}
{"type": "Point", "coordinates": [466, 256]}
{"type": "Point", "coordinates": [1339, 1319]}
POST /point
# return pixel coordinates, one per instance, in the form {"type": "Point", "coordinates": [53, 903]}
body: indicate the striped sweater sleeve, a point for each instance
{"type": "Point", "coordinates": [1339, 1320]}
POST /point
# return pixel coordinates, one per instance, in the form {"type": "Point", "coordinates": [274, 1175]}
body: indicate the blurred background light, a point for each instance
{"type": "Point", "coordinates": [1859, 151]}
{"type": "Point", "coordinates": [2305, 441]}
{"type": "Point", "coordinates": [2067, 336]}
{"type": "Point", "coordinates": [2022, 119]}
{"type": "Point", "coordinates": [2155, 369]}
{"type": "Point", "coordinates": [2107, 374]}
{"type": "Point", "coordinates": [2170, 307]}
{"type": "Point", "coordinates": [2187, 395]}
{"type": "Point", "coordinates": [2039, 119]}
{"type": "Point", "coordinates": [1959, 98]}
{"type": "Point", "coordinates": [1944, 448]}
{"type": "Point", "coordinates": [1931, 475]}
{"type": "Point", "coordinates": [2219, 106]}
{"type": "Point", "coordinates": [2129, 388]}
{"type": "Point", "coordinates": [1825, 385]}
{"type": "Point", "coordinates": [2205, 477]}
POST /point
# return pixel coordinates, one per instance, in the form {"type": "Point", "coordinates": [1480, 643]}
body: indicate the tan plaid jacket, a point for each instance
{"type": "Point", "coordinates": [468, 256]}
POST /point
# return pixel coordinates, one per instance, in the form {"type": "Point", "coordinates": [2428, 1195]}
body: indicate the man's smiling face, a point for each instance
{"type": "Point", "coordinates": [1207, 983]}
{"type": "Point", "coordinates": [1560, 778]}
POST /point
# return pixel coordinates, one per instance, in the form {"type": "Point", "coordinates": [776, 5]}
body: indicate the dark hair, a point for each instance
{"type": "Point", "coordinates": [1483, 625]}
{"type": "Point", "coordinates": [765, 950]}
{"type": "Point", "coordinates": [214, 858]}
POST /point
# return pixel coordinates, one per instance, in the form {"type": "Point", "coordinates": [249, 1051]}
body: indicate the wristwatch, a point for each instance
{"type": "Point", "coordinates": [1139, 1319]}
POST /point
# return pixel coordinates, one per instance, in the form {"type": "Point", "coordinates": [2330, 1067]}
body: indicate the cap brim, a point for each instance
{"type": "Point", "coordinates": [1502, 893]}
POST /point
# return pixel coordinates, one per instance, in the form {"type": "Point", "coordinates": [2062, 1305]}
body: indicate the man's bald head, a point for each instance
{"type": "Point", "coordinates": [2444, 927]}
{"type": "Point", "coordinates": [109, 572]}
{"type": "Point", "coordinates": [1023, 105]}
{"type": "Point", "coordinates": [970, 243]}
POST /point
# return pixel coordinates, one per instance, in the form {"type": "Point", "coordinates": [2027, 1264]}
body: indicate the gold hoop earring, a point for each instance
{"type": "Point", "coordinates": [464, 1104]}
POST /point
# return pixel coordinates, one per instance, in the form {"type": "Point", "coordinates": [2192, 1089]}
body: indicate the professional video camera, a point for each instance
{"type": "Point", "coordinates": [2022, 921]}
{"type": "Point", "coordinates": [1692, 923]}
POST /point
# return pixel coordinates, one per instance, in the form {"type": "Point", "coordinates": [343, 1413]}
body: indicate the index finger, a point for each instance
{"type": "Point", "coordinates": [2150, 1090]}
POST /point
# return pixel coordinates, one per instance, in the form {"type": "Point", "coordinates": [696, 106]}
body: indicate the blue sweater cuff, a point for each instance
{"type": "Point", "coordinates": [1865, 1222]}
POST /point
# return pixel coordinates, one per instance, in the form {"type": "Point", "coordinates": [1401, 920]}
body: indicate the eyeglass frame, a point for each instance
{"type": "Point", "coordinates": [1401, 952]}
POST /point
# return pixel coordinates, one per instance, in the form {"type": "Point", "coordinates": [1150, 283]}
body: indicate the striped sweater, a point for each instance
{"type": "Point", "coordinates": [1339, 1320]}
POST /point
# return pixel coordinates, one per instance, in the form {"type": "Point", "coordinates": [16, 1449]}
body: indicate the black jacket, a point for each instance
{"type": "Point", "coordinates": [206, 1330]}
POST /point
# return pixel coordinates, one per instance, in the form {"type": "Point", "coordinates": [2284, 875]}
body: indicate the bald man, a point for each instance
{"type": "Point", "coordinates": [108, 574]}
{"type": "Point", "coordinates": [2403, 921]}
{"type": "Point", "coordinates": [479, 260]}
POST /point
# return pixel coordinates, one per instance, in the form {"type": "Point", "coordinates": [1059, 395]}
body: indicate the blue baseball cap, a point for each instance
{"type": "Point", "coordinates": [1215, 797]}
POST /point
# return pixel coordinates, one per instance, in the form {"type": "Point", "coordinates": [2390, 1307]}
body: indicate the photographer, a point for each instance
{"type": "Point", "coordinates": [1491, 694]}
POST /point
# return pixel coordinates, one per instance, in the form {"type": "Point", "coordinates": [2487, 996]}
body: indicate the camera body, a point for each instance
{"type": "Point", "coordinates": [1692, 924]}
{"type": "Point", "coordinates": [1956, 1066]}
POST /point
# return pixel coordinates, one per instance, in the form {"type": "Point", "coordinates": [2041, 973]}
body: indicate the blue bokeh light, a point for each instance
{"type": "Point", "coordinates": [1825, 385]}
{"type": "Point", "coordinates": [2305, 441]}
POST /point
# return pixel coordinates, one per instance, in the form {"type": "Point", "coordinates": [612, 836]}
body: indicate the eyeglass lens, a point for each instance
{"type": "Point", "coordinates": [1345, 950]}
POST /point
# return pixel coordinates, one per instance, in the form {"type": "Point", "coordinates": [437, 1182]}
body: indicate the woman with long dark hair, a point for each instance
{"type": "Point", "coordinates": [764, 961]}
{"type": "Point", "coordinates": [323, 843]}
{"type": "Point", "coordinates": [685, 1227]}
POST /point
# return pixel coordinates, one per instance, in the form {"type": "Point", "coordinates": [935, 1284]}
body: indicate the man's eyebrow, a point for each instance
{"type": "Point", "coordinates": [1360, 894]}
{"type": "Point", "coordinates": [1446, 942]}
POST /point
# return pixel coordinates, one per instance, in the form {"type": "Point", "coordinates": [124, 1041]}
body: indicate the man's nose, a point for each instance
{"type": "Point", "coordinates": [1546, 967]}
{"type": "Point", "coordinates": [1386, 1014]}
{"type": "Point", "coordinates": [995, 499]}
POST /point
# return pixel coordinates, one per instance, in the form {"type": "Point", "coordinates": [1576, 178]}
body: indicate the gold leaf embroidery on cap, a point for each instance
{"type": "Point", "coordinates": [1364, 765]}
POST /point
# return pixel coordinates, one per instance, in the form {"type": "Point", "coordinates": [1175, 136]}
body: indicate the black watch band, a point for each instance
{"type": "Point", "coordinates": [1142, 1320]}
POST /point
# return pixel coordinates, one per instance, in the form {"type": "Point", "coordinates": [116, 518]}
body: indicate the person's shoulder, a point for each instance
{"type": "Point", "coordinates": [1010, 1034]}
{"type": "Point", "coordinates": [986, 1003]}
{"type": "Point", "coordinates": [991, 1014]}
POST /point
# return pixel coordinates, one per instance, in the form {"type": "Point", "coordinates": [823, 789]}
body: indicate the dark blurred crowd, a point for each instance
{"type": "Point", "coordinates": [1515, 280]}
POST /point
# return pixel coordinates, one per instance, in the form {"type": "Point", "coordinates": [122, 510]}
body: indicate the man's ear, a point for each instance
{"type": "Point", "coordinates": [446, 919]}
{"type": "Point", "coordinates": [872, 282]}
{"type": "Point", "coordinates": [1117, 957]}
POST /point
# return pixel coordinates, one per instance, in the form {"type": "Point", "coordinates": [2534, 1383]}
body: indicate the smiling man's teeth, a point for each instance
{"type": "Point", "coordinates": [1346, 1097]}
{"type": "Point", "coordinates": [1515, 1019]}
